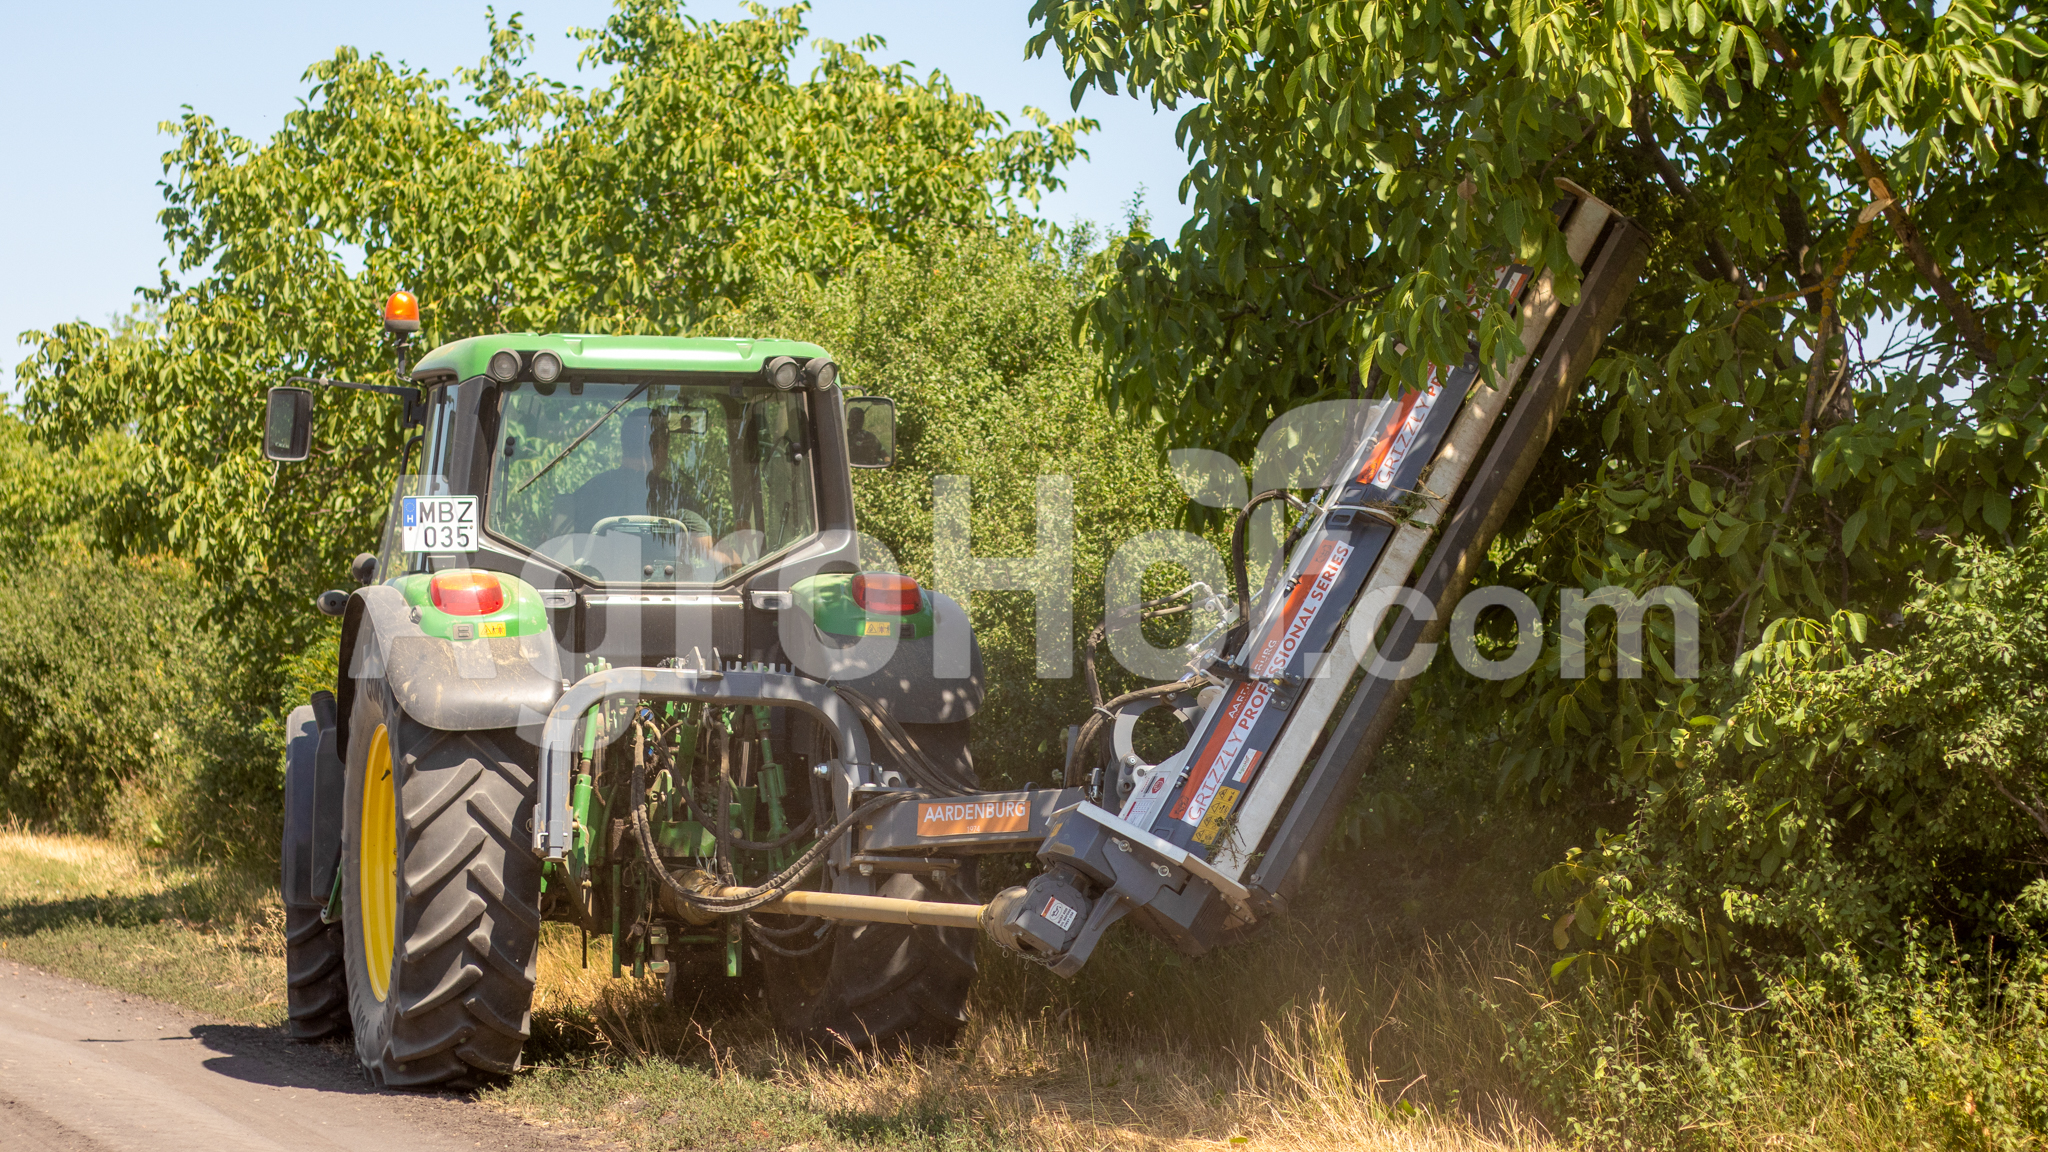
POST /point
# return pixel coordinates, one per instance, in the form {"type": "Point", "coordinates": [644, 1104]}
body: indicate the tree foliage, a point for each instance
{"type": "Point", "coordinates": [1848, 792]}
{"type": "Point", "coordinates": [1356, 167]}
{"type": "Point", "coordinates": [1835, 355]}
{"type": "Point", "coordinates": [52, 500]}
{"type": "Point", "coordinates": [664, 196]}
{"type": "Point", "coordinates": [120, 705]}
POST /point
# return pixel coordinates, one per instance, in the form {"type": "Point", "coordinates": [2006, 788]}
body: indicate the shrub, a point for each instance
{"type": "Point", "coordinates": [1844, 794]}
{"type": "Point", "coordinates": [117, 709]}
{"type": "Point", "coordinates": [124, 709]}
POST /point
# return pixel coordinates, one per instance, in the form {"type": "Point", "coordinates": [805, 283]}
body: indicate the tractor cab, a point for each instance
{"type": "Point", "coordinates": [641, 462]}
{"type": "Point", "coordinates": [651, 483]}
{"type": "Point", "coordinates": [669, 479]}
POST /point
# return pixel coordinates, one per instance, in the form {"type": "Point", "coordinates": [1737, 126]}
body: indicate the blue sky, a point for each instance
{"type": "Point", "coordinates": [86, 86]}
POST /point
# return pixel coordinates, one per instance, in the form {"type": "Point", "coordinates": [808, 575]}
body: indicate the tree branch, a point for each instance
{"type": "Point", "coordinates": [1965, 318]}
{"type": "Point", "coordinates": [1646, 143]}
{"type": "Point", "coordinates": [1799, 247]}
{"type": "Point", "coordinates": [2034, 810]}
{"type": "Point", "coordinates": [1816, 371]}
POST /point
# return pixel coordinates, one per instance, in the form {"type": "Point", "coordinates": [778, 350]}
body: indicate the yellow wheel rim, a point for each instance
{"type": "Point", "coordinates": [377, 859]}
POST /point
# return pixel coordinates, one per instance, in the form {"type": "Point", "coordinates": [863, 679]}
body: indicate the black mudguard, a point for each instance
{"type": "Point", "coordinates": [448, 685]}
{"type": "Point", "coordinates": [909, 687]}
{"type": "Point", "coordinates": [312, 803]}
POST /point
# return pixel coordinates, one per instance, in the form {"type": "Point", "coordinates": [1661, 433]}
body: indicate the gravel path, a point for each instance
{"type": "Point", "coordinates": [83, 1069]}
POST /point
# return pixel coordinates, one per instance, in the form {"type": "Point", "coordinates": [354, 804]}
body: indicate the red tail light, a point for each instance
{"type": "Point", "coordinates": [466, 593]}
{"type": "Point", "coordinates": [896, 595]}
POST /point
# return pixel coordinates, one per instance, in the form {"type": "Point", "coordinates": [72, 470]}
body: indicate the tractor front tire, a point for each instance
{"type": "Point", "coordinates": [315, 975]}
{"type": "Point", "coordinates": [441, 897]}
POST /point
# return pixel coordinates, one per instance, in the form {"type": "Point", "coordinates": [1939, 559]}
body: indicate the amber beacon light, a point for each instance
{"type": "Point", "coordinates": [402, 312]}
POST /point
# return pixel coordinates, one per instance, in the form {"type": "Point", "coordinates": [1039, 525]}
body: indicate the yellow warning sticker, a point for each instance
{"type": "Point", "coordinates": [1219, 808]}
{"type": "Point", "coordinates": [877, 628]}
{"type": "Point", "coordinates": [494, 627]}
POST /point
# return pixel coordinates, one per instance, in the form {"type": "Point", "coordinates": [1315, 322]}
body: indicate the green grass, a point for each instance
{"type": "Point", "coordinates": [208, 938]}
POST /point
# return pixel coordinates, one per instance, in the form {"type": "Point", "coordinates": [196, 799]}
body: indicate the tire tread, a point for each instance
{"type": "Point", "coordinates": [316, 975]}
{"type": "Point", "coordinates": [469, 912]}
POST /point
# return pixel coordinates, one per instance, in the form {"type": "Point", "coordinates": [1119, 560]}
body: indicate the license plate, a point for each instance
{"type": "Point", "coordinates": [439, 524]}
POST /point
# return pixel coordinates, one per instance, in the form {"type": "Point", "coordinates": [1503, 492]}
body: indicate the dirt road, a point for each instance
{"type": "Point", "coordinates": [83, 1069]}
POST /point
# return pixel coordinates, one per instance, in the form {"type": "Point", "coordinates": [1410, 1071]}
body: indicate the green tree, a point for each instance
{"type": "Point", "coordinates": [650, 203]}
{"type": "Point", "coordinates": [973, 341]}
{"type": "Point", "coordinates": [1835, 355]}
{"type": "Point", "coordinates": [51, 500]}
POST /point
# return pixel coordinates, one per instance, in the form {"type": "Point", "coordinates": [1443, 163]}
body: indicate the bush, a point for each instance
{"type": "Point", "coordinates": [1844, 794]}
{"type": "Point", "coordinates": [1947, 1050]}
{"type": "Point", "coordinates": [123, 708]}
{"type": "Point", "coordinates": [117, 713]}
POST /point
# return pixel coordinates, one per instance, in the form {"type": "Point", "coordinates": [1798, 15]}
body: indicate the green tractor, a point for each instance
{"type": "Point", "coordinates": [616, 664]}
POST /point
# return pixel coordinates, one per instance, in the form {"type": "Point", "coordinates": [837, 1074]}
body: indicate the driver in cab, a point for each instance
{"type": "Point", "coordinates": [639, 486]}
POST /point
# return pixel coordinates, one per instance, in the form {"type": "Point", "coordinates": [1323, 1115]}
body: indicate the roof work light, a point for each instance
{"type": "Point", "coordinates": [504, 366]}
{"type": "Point", "coordinates": [782, 372]}
{"type": "Point", "coordinates": [402, 312]}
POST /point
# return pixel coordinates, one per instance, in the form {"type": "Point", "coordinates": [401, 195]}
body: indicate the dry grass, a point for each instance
{"type": "Point", "coordinates": [1325, 1032]}
{"type": "Point", "coordinates": [1050, 1086]}
{"type": "Point", "coordinates": [1032, 1072]}
{"type": "Point", "coordinates": [210, 938]}
{"type": "Point", "coordinates": [36, 865]}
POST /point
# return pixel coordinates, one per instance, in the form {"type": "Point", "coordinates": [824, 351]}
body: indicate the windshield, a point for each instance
{"type": "Point", "coordinates": [651, 482]}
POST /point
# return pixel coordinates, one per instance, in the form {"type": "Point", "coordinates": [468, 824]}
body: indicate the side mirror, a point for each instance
{"type": "Point", "coordinates": [871, 431]}
{"type": "Point", "coordinates": [288, 425]}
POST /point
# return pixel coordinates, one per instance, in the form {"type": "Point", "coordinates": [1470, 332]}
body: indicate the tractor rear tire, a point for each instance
{"type": "Point", "coordinates": [441, 896]}
{"type": "Point", "coordinates": [879, 986]}
{"type": "Point", "coordinates": [315, 975]}
{"type": "Point", "coordinates": [883, 986]}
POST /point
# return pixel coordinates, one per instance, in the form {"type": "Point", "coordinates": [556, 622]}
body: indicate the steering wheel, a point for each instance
{"type": "Point", "coordinates": [689, 523]}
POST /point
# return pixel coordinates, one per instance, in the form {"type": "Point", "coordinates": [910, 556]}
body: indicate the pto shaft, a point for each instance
{"type": "Point", "coordinates": [826, 905]}
{"type": "Point", "coordinates": [876, 909]}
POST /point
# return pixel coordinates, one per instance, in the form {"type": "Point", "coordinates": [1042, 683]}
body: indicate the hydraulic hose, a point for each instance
{"type": "Point", "coordinates": [707, 893]}
{"type": "Point", "coordinates": [1149, 610]}
{"type": "Point", "coordinates": [890, 734]}
{"type": "Point", "coordinates": [767, 938]}
{"type": "Point", "coordinates": [1242, 580]}
{"type": "Point", "coordinates": [1098, 720]}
